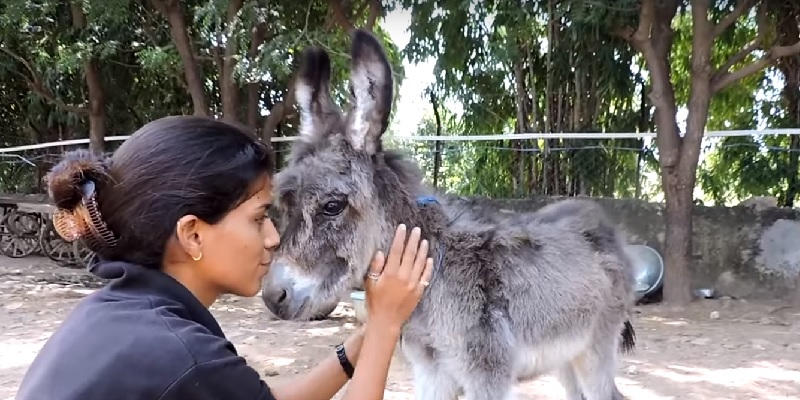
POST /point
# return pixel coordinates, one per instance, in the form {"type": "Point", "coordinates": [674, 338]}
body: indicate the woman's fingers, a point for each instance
{"type": "Point", "coordinates": [425, 279]}
{"type": "Point", "coordinates": [419, 262]}
{"type": "Point", "coordinates": [396, 250]}
{"type": "Point", "coordinates": [376, 266]}
{"type": "Point", "coordinates": [409, 254]}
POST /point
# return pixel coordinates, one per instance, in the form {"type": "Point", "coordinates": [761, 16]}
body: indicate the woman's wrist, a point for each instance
{"type": "Point", "coordinates": [381, 327]}
{"type": "Point", "coordinates": [352, 346]}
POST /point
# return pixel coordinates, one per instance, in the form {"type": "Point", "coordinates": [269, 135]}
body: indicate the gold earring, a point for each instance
{"type": "Point", "coordinates": [198, 257]}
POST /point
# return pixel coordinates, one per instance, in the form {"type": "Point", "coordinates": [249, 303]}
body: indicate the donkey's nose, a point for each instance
{"type": "Point", "coordinates": [274, 295]}
{"type": "Point", "coordinates": [282, 296]}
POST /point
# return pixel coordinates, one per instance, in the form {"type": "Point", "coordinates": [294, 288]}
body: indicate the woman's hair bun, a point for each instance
{"type": "Point", "coordinates": [65, 180]}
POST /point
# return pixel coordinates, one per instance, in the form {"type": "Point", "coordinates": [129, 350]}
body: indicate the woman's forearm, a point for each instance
{"type": "Point", "coordinates": [321, 383]}
{"type": "Point", "coordinates": [327, 378]}
{"type": "Point", "coordinates": [369, 381]}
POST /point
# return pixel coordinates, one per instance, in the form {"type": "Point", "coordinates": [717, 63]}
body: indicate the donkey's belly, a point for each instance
{"type": "Point", "coordinates": [533, 360]}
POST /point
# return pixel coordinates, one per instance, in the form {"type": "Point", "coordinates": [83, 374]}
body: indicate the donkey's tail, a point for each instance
{"type": "Point", "coordinates": [628, 340]}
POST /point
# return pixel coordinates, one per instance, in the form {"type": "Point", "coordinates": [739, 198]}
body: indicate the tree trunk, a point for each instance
{"type": "Point", "coordinates": [437, 146]}
{"type": "Point", "coordinates": [94, 83]}
{"type": "Point", "coordinates": [679, 180]}
{"type": "Point", "coordinates": [97, 112]}
{"type": "Point", "coordinates": [654, 39]}
{"type": "Point", "coordinates": [254, 89]}
{"type": "Point", "coordinates": [518, 176]}
{"type": "Point", "coordinates": [280, 111]}
{"type": "Point", "coordinates": [793, 165]}
{"type": "Point", "coordinates": [536, 124]}
{"type": "Point", "coordinates": [229, 90]}
{"type": "Point", "coordinates": [789, 33]}
{"type": "Point", "coordinates": [173, 11]}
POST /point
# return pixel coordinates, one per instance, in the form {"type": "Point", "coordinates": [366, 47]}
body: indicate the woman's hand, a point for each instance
{"type": "Point", "coordinates": [395, 284]}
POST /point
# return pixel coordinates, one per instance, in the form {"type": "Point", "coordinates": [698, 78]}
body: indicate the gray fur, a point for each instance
{"type": "Point", "coordinates": [514, 298]}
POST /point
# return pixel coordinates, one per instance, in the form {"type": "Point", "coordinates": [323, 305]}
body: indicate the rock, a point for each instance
{"type": "Point", "coordinates": [632, 370]}
{"type": "Point", "coordinates": [250, 339]}
{"type": "Point", "coordinates": [759, 344]}
{"type": "Point", "coordinates": [714, 315]}
{"type": "Point", "coordinates": [271, 371]}
{"type": "Point", "coordinates": [728, 284]}
{"type": "Point", "coordinates": [759, 203]}
{"type": "Point", "coordinates": [766, 321]}
{"type": "Point", "coordinates": [793, 346]}
{"type": "Point", "coordinates": [700, 341]}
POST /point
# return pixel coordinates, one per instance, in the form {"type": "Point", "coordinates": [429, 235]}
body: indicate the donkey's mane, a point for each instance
{"type": "Point", "coordinates": [407, 171]}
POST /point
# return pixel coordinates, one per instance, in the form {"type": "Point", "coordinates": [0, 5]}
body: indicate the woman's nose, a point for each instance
{"type": "Point", "coordinates": [272, 239]}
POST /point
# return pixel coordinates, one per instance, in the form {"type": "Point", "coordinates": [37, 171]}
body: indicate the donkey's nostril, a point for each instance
{"type": "Point", "coordinates": [282, 297]}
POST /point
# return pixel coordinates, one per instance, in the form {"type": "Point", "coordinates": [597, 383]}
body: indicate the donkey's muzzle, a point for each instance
{"type": "Point", "coordinates": [284, 295]}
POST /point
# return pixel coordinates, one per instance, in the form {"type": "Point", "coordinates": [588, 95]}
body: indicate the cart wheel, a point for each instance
{"type": "Point", "coordinates": [81, 254]}
{"type": "Point", "coordinates": [17, 240]}
{"type": "Point", "coordinates": [56, 248]}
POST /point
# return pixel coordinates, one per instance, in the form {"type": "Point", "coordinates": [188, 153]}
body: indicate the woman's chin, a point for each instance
{"type": "Point", "coordinates": [247, 291]}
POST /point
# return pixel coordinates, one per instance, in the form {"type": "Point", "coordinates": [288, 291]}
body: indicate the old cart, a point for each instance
{"type": "Point", "coordinates": [26, 228]}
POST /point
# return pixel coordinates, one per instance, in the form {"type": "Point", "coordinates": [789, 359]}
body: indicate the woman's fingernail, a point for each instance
{"type": "Point", "coordinates": [416, 230]}
{"type": "Point", "coordinates": [401, 227]}
{"type": "Point", "coordinates": [424, 242]}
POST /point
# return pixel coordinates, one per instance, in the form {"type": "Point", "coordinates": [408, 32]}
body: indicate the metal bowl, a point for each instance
{"type": "Point", "coordinates": [648, 269]}
{"type": "Point", "coordinates": [705, 293]}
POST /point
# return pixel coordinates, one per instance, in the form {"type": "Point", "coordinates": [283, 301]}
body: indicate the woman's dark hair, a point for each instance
{"type": "Point", "coordinates": [169, 168]}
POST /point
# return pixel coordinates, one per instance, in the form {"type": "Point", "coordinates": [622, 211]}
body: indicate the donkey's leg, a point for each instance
{"type": "Point", "coordinates": [484, 367]}
{"type": "Point", "coordinates": [483, 384]}
{"type": "Point", "coordinates": [595, 370]}
{"type": "Point", "coordinates": [566, 375]}
{"type": "Point", "coordinates": [431, 382]}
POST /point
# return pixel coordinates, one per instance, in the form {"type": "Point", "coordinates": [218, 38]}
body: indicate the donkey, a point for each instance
{"type": "Point", "coordinates": [510, 299]}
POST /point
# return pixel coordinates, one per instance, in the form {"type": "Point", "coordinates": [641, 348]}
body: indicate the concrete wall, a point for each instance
{"type": "Point", "coordinates": [743, 251]}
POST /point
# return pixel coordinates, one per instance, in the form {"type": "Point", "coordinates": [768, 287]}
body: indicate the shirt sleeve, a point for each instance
{"type": "Point", "coordinates": [228, 378]}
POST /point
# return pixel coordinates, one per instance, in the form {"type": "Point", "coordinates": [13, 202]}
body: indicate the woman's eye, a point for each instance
{"type": "Point", "coordinates": [333, 208]}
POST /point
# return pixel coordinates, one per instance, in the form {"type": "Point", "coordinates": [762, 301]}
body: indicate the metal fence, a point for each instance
{"type": "Point", "coordinates": [734, 165]}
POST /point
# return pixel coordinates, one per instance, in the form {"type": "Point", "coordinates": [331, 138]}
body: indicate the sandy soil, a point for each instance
{"type": "Point", "coordinates": [715, 349]}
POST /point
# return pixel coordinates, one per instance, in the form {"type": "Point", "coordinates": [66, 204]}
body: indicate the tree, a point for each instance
{"type": "Point", "coordinates": [679, 154]}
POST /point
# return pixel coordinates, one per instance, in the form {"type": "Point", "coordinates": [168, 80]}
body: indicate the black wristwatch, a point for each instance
{"type": "Point", "coordinates": [344, 362]}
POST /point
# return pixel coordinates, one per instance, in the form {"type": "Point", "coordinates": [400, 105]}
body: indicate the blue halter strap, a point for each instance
{"type": "Point", "coordinates": [423, 201]}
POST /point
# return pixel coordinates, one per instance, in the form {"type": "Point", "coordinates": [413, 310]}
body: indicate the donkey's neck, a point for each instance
{"type": "Point", "coordinates": [429, 215]}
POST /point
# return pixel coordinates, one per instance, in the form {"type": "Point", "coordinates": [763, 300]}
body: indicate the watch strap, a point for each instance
{"type": "Point", "coordinates": [347, 366]}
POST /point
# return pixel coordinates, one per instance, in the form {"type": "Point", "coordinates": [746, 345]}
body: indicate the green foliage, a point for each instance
{"type": "Point", "coordinates": [577, 76]}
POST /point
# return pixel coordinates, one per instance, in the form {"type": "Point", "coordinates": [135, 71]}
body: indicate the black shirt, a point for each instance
{"type": "Point", "coordinates": [143, 336]}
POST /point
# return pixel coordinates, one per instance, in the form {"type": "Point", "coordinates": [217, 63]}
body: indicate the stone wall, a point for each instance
{"type": "Point", "coordinates": [742, 251]}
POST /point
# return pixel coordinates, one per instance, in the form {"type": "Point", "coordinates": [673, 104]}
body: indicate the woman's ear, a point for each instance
{"type": "Point", "coordinates": [189, 236]}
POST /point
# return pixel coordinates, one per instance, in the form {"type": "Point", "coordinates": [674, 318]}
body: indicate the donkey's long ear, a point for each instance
{"type": "Point", "coordinates": [373, 86]}
{"type": "Point", "coordinates": [312, 90]}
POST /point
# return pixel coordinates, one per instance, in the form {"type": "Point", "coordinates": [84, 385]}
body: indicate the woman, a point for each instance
{"type": "Point", "coordinates": [178, 217]}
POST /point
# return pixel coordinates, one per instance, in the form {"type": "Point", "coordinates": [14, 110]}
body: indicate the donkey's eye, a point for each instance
{"type": "Point", "coordinates": [334, 207]}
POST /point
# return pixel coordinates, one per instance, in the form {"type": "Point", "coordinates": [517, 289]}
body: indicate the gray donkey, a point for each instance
{"type": "Point", "coordinates": [510, 299]}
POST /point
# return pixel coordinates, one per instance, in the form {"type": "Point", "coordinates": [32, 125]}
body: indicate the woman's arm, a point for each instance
{"type": "Point", "coordinates": [369, 381]}
{"type": "Point", "coordinates": [327, 378]}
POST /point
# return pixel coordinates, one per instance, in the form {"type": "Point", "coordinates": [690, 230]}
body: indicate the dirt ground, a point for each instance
{"type": "Point", "coordinates": [715, 349]}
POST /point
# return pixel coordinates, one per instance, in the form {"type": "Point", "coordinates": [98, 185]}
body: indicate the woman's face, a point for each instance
{"type": "Point", "coordinates": [237, 251]}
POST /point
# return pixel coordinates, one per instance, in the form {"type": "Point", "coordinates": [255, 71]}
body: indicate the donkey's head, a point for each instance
{"type": "Point", "coordinates": [341, 194]}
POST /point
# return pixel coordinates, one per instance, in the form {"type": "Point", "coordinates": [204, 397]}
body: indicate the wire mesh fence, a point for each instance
{"type": "Point", "coordinates": [734, 166]}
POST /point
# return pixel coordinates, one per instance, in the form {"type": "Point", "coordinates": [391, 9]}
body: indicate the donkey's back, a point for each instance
{"type": "Point", "coordinates": [519, 297]}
